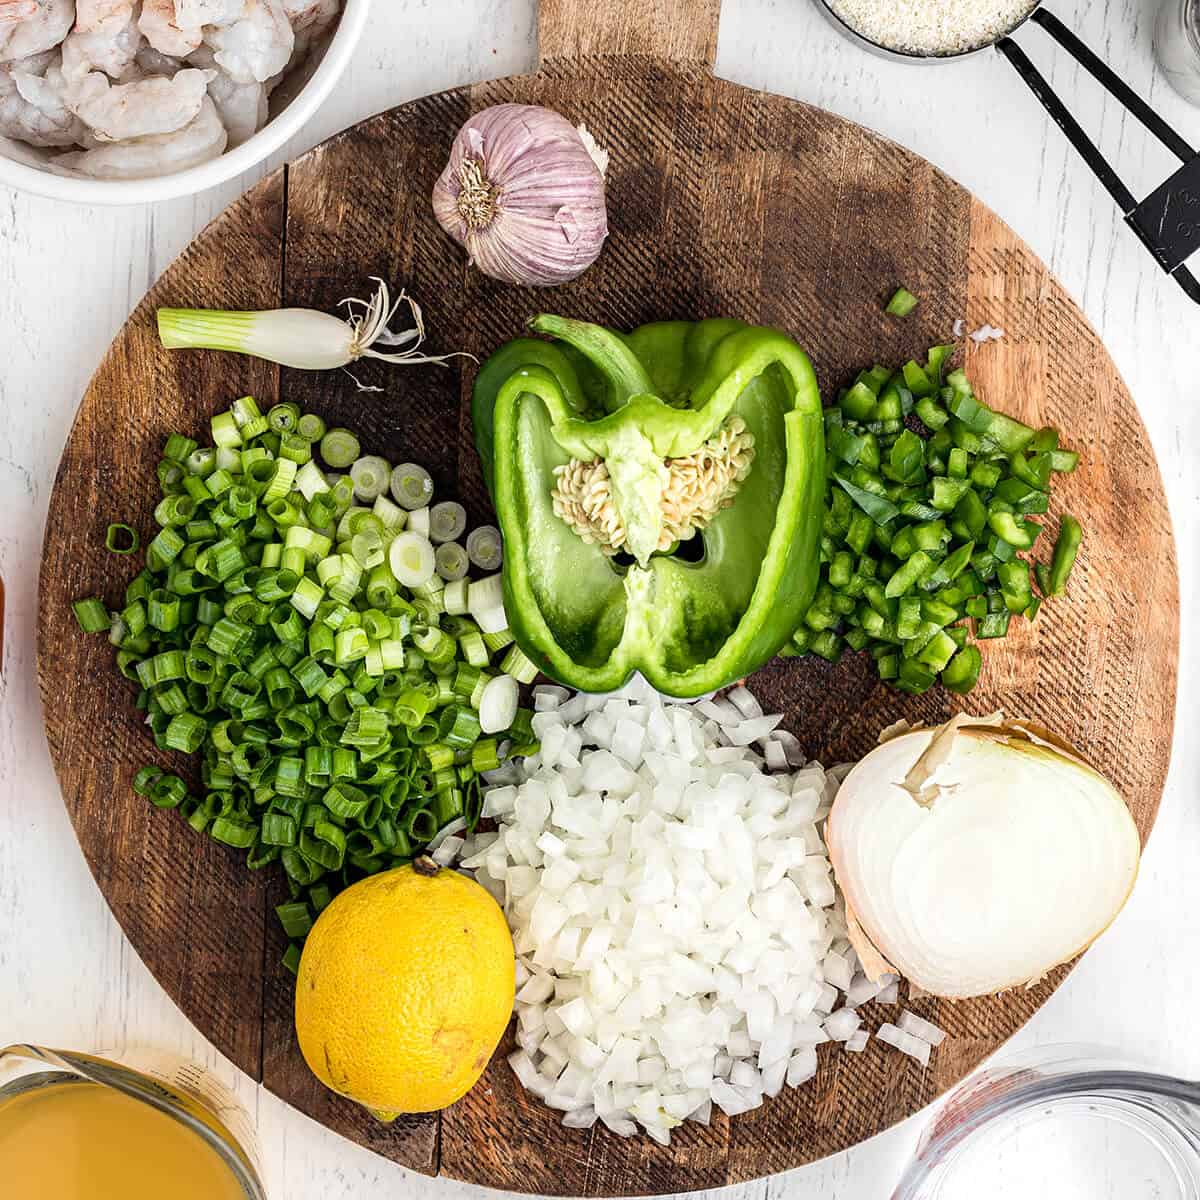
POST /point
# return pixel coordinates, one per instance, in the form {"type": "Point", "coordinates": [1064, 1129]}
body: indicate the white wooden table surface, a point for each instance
{"type": "Point", "coordinates": [69, 276]}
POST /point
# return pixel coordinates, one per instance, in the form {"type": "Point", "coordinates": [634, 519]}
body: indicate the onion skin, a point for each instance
{"type": "Point", "coordinates": [538, 217]}
{"type": "Point", "coordinates": [879, 947]}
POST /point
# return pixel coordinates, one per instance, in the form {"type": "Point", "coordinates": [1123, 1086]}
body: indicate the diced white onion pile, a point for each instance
{"type": "Point", "coordinates": [679, 937]}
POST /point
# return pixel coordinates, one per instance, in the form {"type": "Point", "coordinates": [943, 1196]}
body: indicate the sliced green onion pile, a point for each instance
{"type": "Point", "coordinates": [929, 506]}
{"type": "Point", "coordinates": [291, 631]}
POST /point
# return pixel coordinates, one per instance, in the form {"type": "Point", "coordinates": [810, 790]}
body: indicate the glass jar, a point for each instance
{"type": "Point", "coordinates": [1177, 45]}
{"type": "Point", "coordinates": [1061, 1121]}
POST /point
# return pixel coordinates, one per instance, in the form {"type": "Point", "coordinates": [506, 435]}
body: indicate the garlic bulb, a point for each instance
{"type": "Point", "coordinates": [524, 193]}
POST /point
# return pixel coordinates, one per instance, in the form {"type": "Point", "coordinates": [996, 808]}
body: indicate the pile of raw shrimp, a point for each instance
{"type": "Point", "coordinates": [139, 88]}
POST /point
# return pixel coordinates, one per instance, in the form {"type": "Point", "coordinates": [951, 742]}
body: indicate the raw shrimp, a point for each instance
{"type": "Point", "coordinates": [208, 12]}
{"type": "Point", "coordinates": [242, 107]}
{"type": "Point", "coordinates": [45, 29]}
{"type": "Point", "coordinates": [14, 11]}
{"type": "Point", "coordinates": [91, 15]}
{"type": "Point", "coordinates": [304, 14]}
{"type": "Point", "coordinates": [257, 45]}
{"type": "Point", "coordinates": [105, 38]}
{"type": "Point", "coordinates": [165, 31]}
{"type": "Point", "coordinates": [162, 154]}
{"type": "Point", "coordinates": [141, 85]}
{"type": "Point", "coordinates": [153, 62]}
{"type": "Point", "coordinates": [176, 27]}
{"type": "Point", "coordinates": [311, 21]}
{"type": "Point", "coordinates": [146, 108]}
{"type": "Point", "coordinates": [35, 64]}
{"type": "Point", "coordinates": [32, 108]}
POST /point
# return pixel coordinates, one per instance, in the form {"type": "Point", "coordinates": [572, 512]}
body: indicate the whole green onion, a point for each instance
{"type": "Point", "coordinates": [302, 338]}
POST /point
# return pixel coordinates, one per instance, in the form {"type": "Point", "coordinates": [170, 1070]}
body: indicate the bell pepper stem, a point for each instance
{"type": "Point", "coordinates": [612, 357]}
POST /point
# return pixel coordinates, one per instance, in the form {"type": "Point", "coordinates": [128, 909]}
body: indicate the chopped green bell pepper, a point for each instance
{"type": "Point", "coordinates": [689, 622]}
{"type": "Point", "coordinates": [962, 671]}
{"type": "Point", "coordinates": [1053, 580]}
{"type": "Point", "coordinates": [902, 303]}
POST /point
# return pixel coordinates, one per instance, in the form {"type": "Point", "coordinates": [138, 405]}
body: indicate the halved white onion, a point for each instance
{"type": "Point", "coordinates": [978, 856]}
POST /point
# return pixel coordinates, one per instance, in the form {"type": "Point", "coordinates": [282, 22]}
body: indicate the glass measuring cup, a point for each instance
{"type": "Point", "coordinates": [1167, 221]}
{"type": "Point", "coordinates": [180, 1109]}
{"type": "Point", "coordinates": [1061, 1121]}
{"type": "Point", "coordinates": [1177, 45]}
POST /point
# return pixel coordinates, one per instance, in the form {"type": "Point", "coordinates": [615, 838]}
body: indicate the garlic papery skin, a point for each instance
{"type": "Point", "coordinates": [524, 193]}
{"type": "Point", "coordinates": [977, 857]}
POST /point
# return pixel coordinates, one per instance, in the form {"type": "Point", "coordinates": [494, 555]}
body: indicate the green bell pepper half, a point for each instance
{"type": "Point", "coordinates": [590, 620]}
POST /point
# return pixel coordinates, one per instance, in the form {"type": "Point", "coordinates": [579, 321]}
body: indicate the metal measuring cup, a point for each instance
{"type": "Point", "coordinates": [1168, 220]}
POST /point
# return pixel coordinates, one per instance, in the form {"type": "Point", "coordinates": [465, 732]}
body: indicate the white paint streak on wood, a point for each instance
{"type": "Point", "coordinates": [69, 276]}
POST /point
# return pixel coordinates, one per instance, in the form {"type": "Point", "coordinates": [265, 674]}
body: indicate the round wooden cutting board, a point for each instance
{"type": "Point", "coordinates": [722, 201]}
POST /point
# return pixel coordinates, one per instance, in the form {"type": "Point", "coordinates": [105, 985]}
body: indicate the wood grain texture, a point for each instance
{"type": "Point", "coordinates": [722, 201]}
{"type": "Point", "coordinates": [682, 30]}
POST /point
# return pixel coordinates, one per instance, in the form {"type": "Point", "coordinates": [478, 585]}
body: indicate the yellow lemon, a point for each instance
{"type": "Point", "coordinates": [405, 988]}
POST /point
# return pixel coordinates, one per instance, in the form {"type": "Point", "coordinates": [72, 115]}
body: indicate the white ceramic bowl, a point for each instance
{"type": "Point", "coordinates": [292, 104]}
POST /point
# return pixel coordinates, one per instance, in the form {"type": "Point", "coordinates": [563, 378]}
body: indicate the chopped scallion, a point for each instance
{"type": "Point", "coordinates": [306, 651]}
{"type": "Point", "coordinates": [339, 448]}
{"type": "Point", "coordinates": [411, 486]}
{"type": "Point", "coordinates": [447, 521]}
{"type": "Point", "coordinates": [484, 548]}
{"type": "Point", "coordinates": [371, 476]}
{"type": "Point", "coordinates": [451, 562]}
{"type": "Point", "coordinates": [92, 615]}
{"type": "Point", "coordinates": [121, 539]}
